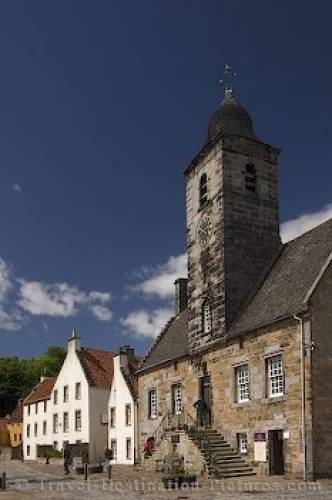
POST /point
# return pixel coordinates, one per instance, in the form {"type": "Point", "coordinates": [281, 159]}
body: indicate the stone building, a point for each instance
{"type": "Point", "coordinates": [253, 341]}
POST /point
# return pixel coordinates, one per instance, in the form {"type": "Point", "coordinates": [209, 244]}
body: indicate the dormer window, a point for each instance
{"type": "Point", "coordinates": [203, 191]}
{"type": "Point", "coordinates": [250, 179]}
{"type": "Point", "coordinates": [207, 317]}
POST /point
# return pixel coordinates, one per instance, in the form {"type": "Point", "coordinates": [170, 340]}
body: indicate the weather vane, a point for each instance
{"type": "Point", "coordinates": [227, 79]}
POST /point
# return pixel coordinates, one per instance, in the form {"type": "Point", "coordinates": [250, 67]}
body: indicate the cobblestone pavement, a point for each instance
{"type": "Point", "coordinates": [31, 481]}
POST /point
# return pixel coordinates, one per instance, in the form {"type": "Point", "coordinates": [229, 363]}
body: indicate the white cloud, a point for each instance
{"type": "Point", "coordinates": [161, 281]}
{"type": "Point", "coordinates": [9, 319]}
{"type": "Point", "coordinates": [61, 300]}
{"type": "Point", "coordinates": [101, 312]}
{"type": "Point", "coordinates": [144, 323]}
{"type": "Point", "coordinates": [295, 227]}
{"type": "Point", "coordinates": [17, 188]}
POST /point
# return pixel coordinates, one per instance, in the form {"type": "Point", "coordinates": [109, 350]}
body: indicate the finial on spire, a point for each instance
{"type": "Point", "coordinates": [227, 80]}
{"type": "Point", "coordinates": [74, 334]}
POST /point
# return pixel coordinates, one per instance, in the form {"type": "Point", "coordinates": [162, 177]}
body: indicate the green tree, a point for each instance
{"type": "Point", "coordinates": [19, 376]}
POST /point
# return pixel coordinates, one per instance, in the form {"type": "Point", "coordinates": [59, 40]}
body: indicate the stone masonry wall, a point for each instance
{"type": "Point", "coordinates": [321, 318]}
{"type": "Point", "coordinates": [245, 232]}
{"type": "Point", "coordinates": [260, 414]}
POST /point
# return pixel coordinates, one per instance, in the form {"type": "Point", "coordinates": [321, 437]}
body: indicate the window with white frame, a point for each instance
{"type": "Point", "coordinates": [207, 317]}
{"type": "Point", "coordinates": [28, 430]}
{"type": "Point", "coordinates": [114, 449]}
{"type": "Point", "coordinates": [55, 423]}
{"type": "Point", "coordinates": [65, 394]}
{"type": "Point", "coordinates": [128, 448]}
{"type": "Point", "coordinates": [242, 442]}
{"type": "Point", "coordinates": [55, 397]}
{"type": "Point", "coordinates": [44, 427]}
{"type": "Point", "coordinates": [177, 399]}
{"type": "Point", "coordinates": [78, 390]}
{"type": "Point", "coordinates": [128, 414]}
{"type": "Point", "coordinates": [36, 408]}
{"type": "Point", "coordinates": [78, 420]}
{"type": "Point", "coordinates": [45, 406]}
{"type": "Point", "coordinates": [275, 376]}
{"type": "Point", "coordinates": [112, 417]}
{"type": "Point", "coordinates": [36, 429]}
{"type": "Point", "coordinates": [28, 450]}
{"type": "Point", "coordinates": [242, 383]}
{"type": "Point", "coordinates": [152, 403]}
{"type": "Point", "coordinates": [65, 422]}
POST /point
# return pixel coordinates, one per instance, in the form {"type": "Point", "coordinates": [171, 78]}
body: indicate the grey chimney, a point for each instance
{"type": "Point", "coordinates": [181, 296]}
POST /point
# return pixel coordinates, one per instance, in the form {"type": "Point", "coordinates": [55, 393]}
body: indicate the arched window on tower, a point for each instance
{"type": "Point", "coordinates": [250, 179]}
{"type": "Point", "coordinates": [203, 191]}
{"type": "Point", "coordinates": [207, 316]}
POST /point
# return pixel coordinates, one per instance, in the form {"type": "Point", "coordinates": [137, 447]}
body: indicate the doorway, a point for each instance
{"type": "Point", "coordinates": [204, 388]}
{"type": "Point", "coordinates": [276, 452]}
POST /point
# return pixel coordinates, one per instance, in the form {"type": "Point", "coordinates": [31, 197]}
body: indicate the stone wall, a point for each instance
{"type": "Point", "coordinates": [260, 414]}
{"type": "Point", "coordinates": [244, 237]}
{"type": "Point", "coordinates": [321, 319]}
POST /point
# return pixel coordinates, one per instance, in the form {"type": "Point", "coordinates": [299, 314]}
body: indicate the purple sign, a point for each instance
{"type": "Point", "coordinates": [260, 436]}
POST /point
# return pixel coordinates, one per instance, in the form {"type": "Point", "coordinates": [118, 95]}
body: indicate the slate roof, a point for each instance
{"type": "Point", "coordinates": [41, 392]}
{"type": "Point", "coordinates": [97, 366]}
{"type": "Point", "coordinates": [171, 344]}
{"type": "Point", "coordinates": [287, 285]}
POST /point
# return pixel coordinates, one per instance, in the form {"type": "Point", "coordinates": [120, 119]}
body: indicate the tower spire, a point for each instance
{"type": "Point", "coordinates": [227, 80]}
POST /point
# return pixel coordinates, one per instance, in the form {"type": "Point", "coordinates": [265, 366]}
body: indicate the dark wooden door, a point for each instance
{"type": "Point", "coordinates": [276, 452]}
{"type": "Point", "coordinates": [205, 393]}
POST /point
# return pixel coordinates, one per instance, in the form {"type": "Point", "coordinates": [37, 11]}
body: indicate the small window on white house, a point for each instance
{"type": "Point", "coordinates": [45, 406]}
{"type": "Point", "coordinates": [176, 399]}
{"type": "Point", "coordinates": [78, 420]}
{"type": "Point", "coordinates": [275, 376]}
{"type": "Point", "coordinates": [65, 394]}
{"type": "Point", "coordinates": [152, 403]}
{"type": "Point", "coordinates": [66, 422]}
{"type": "Point", "coordinates": [128, 414]}
{"type": "Point", "coordinates": [55, 397]}
{"type": "Point", "coordinates": [242, 442]}
{"type": "Point", "coordinates": [36, 429]}
{"type": "Point", "coordinates": [28, 450]}
{"type": "Point", "coordinates": [55, 423]}
{"type": "Point", "coordinates": [29, 409]}
{"type": "Point", "coordinates": [207, 317]}
{"type": "Point", "coordinates": [112, 417]}
{"type": "Point", "coordinates": [44, 427]}
{"type": "Point", "coordinates": [36, 408]}
{"type": "Point", "coordinates": [128, 449]}
{"type": "Point", "coordinates": [28, 430]}
{"type": "Point", "coordinates": [78, 390]}
{"type": "Point", "coordinates": [114, 449]}
{"type": "Point", "coordinates": [242, 383]}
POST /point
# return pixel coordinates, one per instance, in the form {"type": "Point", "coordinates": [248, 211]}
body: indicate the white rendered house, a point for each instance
{"type": "Point", "coordinates": [36, 418]}
{"type": "Point", "coordinates": [122, 409]}
{"type": "Point", "coordinates": [79, 399]}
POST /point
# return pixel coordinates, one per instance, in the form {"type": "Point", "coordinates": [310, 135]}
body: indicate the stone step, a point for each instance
{"type": "Point", "coordinates": [233, 474]}
{"type": "Point", "coordinates": [230, 461]}
{"type": "Point", "coordinates": [231, 470]}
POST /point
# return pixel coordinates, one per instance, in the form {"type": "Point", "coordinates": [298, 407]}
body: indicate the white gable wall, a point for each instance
{"type": "Point", "coordinates": [121, 396]}
{"type": "Point", "coordinates": [32, 419]}
{"type": "Point", "coordinates": [71, 373]}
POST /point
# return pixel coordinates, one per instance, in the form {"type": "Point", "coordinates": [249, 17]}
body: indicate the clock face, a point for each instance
{"type": "Point", "coordinates": [204, 230]}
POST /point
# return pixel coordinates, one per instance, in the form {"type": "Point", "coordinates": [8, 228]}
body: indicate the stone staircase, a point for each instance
{"type": "Point", "coordinates": [221, 459]}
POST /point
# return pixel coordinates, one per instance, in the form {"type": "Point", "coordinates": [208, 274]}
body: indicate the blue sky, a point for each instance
{"type": "Point", "coordinates": [102, 104]}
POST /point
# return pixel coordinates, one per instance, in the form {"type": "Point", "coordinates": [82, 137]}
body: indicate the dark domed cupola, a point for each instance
{"type": "Point", "coordinates": [231, 119]}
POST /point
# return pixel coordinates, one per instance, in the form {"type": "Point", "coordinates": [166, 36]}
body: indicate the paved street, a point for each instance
{"type": "Point", "coordinates": [26, 482]}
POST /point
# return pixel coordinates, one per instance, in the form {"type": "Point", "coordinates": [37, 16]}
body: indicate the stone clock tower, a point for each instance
{"type": "Point", "coordinates": [232, 221]}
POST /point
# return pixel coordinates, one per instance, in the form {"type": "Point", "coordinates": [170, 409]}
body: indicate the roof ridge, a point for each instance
{"type": "Point", "coordinates": [306, 233]}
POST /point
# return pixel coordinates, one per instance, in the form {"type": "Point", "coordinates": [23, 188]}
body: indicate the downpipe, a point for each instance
{"type": "Point", "coordinates": [303, 421]}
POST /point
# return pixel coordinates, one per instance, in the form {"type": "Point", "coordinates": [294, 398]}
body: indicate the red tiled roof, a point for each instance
{"type": "Point", "coordinates": [97, 366]}
{"type": "Point", "coordinates": [41, 391]}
